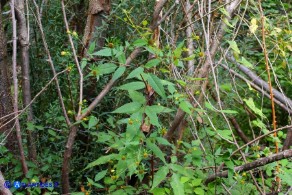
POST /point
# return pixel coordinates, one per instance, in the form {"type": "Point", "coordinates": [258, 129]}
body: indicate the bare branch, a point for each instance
{"type": "Point", "coordinates": [250, 166]}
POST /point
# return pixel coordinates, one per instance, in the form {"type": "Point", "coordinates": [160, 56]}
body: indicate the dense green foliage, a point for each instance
{"type": "Point", "coordinates": [111, 149]}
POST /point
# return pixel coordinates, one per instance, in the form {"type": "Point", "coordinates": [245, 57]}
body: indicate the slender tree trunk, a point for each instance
{"type": "Point", "coordinates": [6, 107]}
{"type": "Point", "coordinates": [15, 86]}
{"type": "Point", "coordinates": [23, 38]}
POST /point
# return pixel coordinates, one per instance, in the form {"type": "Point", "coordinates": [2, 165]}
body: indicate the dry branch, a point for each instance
{"type": "Point", "coordinates": [250, 166]}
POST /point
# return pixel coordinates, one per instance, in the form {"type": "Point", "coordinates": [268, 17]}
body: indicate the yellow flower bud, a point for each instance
{"type": "Point", "coordinates": [74, 33]}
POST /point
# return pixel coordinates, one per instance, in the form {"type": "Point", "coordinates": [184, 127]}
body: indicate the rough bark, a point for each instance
{"type": "Point", "coordinates": [6, 107]}
{"type": "Point", "coordinates": [15, 91]}
{"type": "Point", "coordinates": [250, 166]}
{"type": "Point", "coordinates": [288, 141]}
{"type": "Point", "coordinates": [23, 38]}
{"type": "Point", "coordinates": [97, 11]}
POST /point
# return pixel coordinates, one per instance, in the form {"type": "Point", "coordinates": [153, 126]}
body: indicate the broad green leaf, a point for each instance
{"type": "Point", "coordinates": [152, 63]}
{"type": "Point", "coordinates": [137, 96]}
{"type": "Point", "coordinates": [140, 42]}
{"type": "Point", "coordinates": [163, 141]}
{"type": "Point", "coordinates": [152, 116]}
{"type": "Point", "coordinates": [92, 122]}
{"type": "Point", "coordinates": [51, 132]}
{"type": "Point", "coordinates": [191, 57]}
{"type": "Point", "coordinates": [196, 182]}
{"type": "Point", "coordinates": [122, 58]}
{"type": "Point", "coordinates": [106, 68]}
{"type": "Point", "coordinates": [83, 63]}
{"type": "Point", "coordinates": [250, 103]}
{"type": "Point", "coordinates": [223, 11]}
{"type": "Point", "coordinates": [119, 72]}
{"type": "Point", "coordinates": [184, 179]}
{"type": "Point", "coordinates": [159, 109]}
{"type": "Point", "coordinates": [156, 84]}
{"type": "Point", "coordinates": [100, 175]}
{"type": "Point", "coordinates": [246, 63]}
{"type": "Point", "coordinates": [135, 73]}
{"type": "Point", "coordinates": [128, 108]}
{"type": "Point", "coordinates": [185, 106]}
{"type": "Point", "coordinates": [199, 191]}
{"type": "Point", "coordinates": [229, 111]}
{"type": "Point", "coordinates": [158, 191]}
{"type": "Point", "coordinates": [234, 47]}
{"type": "Point", "coordinates": [176, 185]}
{"type": "Point", "coordinates": [132, 86]}
{"type": "Point", "coordinates": [156, 150]}
{"type": "Point", "coordinates": [103, 52]}
{"type": "Point", "coordinates": [102, 160]}
{"type": "Point", "coordinates": [159, 176]}
{"type": "Point", "coordinates": [226, 134]}
{"type": "Point", "coordinates": [177, 52]}
{"type": "Point", "coordinates": [226, 21]}
{"type": "Point", "coordinates": [209, 105]}
{"type": "Point", "coordinates": [93, 183]}
{"type": "Point", "coordinates": [91, 47]}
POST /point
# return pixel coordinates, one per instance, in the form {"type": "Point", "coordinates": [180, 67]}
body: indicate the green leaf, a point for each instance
{"type": "Point", "coordinates": [156, 150]}
{"type": "Point", "coordinates": [91, 47]}
{"type": "Point", "coordinates": [103, 52]}
{"type": "Point", "coordinates": [159, 176]}
{"type": "Point", "coordinates": [234, 47]}
{"type": "Point", "coordinates": [246, 63]}
{"type": "Point", "coordinates": [226, 134]}
{"type": "Point", "coordinates": [199, 191]}
{"type": "Point", "coordinates": [196, 182]}
{"type": "Point", "coordinates": [51, 132]}
{"type": "Point", "coordinates": [209, 106]}
{"type": "Point", "coordinates": [137, 96]}
{"type": "Point", "coordinates": [92, 122]}
{"type": "Point", "coordinates": [128, 108]}
{"type": "Point", "coordinates": [100, 175]}
{"type": "Point", "coordinates": [250, 103]}
{"type": "Point", "coordinates": [93, 183]}
{"type": "Point", "coordinates": [122, 58]}
{"type": "Point", "coordinates": [135, 73]}
{"type": "Point", "coordinates": [176, 185]}
{"type": "Point", "coordinates": [132, 86]}
{"type": "Point", "coordinates": [140, 42]}
{"type": "Point", "coordinates": [106, 68]}
{"type": "Point", "coordinates": [223, 11]}
{"type": "Point", "coordinates": [158, 191]}
{"type": "Point", "coordinates": [83, 63]}
{"type": "Point", "coordinates": [156, 84]}
{"type": "Point", "coordinates": [152, 116]}
{"type": "Point", "coordinates": [102, 160]}
{"type": "Point", "coordinates": [229, 111]}
{"type": "Point", "coordinates": [185, 106]}
{"type": "Point", "coordinates": [159, 109]}
{"type": "Point", "coordinates": [119, 72]}
{"type": "Point", "coordinates": [152, 63]}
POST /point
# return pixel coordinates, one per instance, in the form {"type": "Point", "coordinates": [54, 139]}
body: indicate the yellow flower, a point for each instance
{"type": "Point", "coordinates": [74, 33]}
{"type": "Point", "coordinates": [68, 32]}
{"type": "Point", "coordinates": [33, 180]}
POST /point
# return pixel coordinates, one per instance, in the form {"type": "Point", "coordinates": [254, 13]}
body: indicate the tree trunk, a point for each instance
{"type": "Point", "coordinates": [23, 38]}
{"type": "Point", "coordinates": [6, 107]}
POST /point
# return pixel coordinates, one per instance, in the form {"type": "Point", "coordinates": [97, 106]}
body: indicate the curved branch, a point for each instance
{"type": "Point", "coordinates": [257, 163]}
